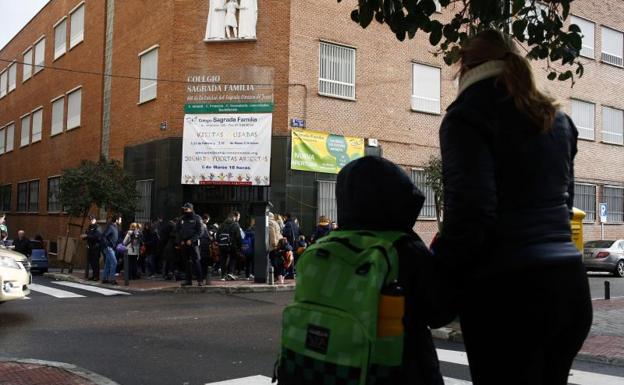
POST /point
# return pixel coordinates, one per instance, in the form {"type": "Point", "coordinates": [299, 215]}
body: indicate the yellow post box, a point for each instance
{"type": "Point", "coordinates": [577, 228]}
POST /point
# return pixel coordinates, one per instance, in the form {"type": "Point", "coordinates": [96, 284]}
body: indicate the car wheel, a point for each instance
{"type": "Point", "coordinates": [619, 269]}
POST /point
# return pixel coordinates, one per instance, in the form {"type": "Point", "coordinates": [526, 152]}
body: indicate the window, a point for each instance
{"type": "Point", "coordinates": [587, 30]}
{"type": "Point", "coordinates": [37, 125]}
{"type": "Point", "coordinates": [420, 180]}
{"type": "Point", "coordinates": [612, 125]}
{"type": "Point", "coordinates": [614, 198]}
{"type": "Point", "coordinates": [76, 26]}
{"type": "Point", "coordinates": [425, 88]}
{"type": "Point", "coordinates": [39, 55]}
{"type": "Point", "coordinates": [22, 197]}
{"type": "Point", "coordinates": [337, 71]}
{"type": "Point", "coordinates": [4, 77]}
{"type": "Point", "coordinates": [585, 199]}
{"type": "Point", "coordinates": [60, 38]}
{"type": "Point", "coordinates": [12, 71]}
{"type": "Point", "coordinates": [326, 199]}
{"type": "Point", "coordinates": [2, 140]}
{"type": "Point", "coordinates": [583, 116]}
{"type": "Point", "coordinates": [143, 211]}
{"type": "Point", "coordinates": [33, 196]}
{"type": "Point", "coordinates": [25, 131]}
{"type": "Point", "coordinates": [74, 101]}
{"type": "Point", "coordinates": [10, 137]}
{"type": "Point", "coordinates": [149, 73]}
{"type": "Point", "coordinates": [612, 46]}
{"type": "Point", "coordinates": [58, 108]}
{"type": "Point", "coordinates": [54, 192]}
{"type": "Point", "coordinates": [5, 198]}
{"type": "Point", "coordinates": [27, 69]}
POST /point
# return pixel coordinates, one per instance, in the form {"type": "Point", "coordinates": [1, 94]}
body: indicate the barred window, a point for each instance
{"type": "Point", "coordinates": [337, 71]}
{"type": "Point", "coordinates": [614, 198]}
{"type": "Point", "coordinates": [419, 178]}
{"type": "Point", "coordinates": [585, 199]}
{"type": "Point", "coordinates": [33, 196]}
{"type": "Point", "coordinates": [326, 203]}
{"type": "Point", "coordinates": [143, 211]}
{"type": "Point", "coordinates": [22, 197]}
{"type": "Point", "coordinates": [5, 198]}
{"type": "Point", "coordinates": [54, 192]}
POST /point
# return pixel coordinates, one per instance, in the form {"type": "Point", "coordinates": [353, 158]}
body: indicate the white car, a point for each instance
{"type": "Point", "coordinates": [14, 279]}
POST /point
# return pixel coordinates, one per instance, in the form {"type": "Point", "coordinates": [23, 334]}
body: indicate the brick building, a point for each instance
{"type": "Point", "coordinates": [56, 108]}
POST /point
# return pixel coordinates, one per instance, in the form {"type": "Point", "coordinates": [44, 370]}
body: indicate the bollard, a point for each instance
{"type": "Point", "coordinates": [271, 276]}
{"type": "Point", "coordinates": [607, 290]}
{"type": "Point", "coordinates": [126, 267]}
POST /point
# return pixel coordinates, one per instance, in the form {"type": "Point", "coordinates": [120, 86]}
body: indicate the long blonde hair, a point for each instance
{"type": "Point", "coordinates": [517, 76]}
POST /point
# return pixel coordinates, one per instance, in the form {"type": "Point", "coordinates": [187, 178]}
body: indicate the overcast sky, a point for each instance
{"type": "Point", "coordinates": [14, 14]}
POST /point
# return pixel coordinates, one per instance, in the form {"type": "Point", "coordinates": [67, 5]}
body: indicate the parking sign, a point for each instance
{"type": "Point", "coordinates": [603, 212]}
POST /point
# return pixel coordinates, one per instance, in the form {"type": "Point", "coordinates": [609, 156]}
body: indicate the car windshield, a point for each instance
{"type": "Point", "coordinates": [599, 244]}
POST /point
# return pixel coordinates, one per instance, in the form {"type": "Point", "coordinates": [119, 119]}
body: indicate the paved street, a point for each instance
{"type": "Point", "coordinates": [177, 338]}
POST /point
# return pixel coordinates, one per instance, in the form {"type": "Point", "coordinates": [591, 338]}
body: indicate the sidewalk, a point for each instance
{"type": "Point", "coordinates": [35, 372]}
{"type": "Point", "coordinates": [161, 285]}
{"type": "Point", "coordinates": [605, 343]}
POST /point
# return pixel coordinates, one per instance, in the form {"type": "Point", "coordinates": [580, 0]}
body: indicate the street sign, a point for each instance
{"type": "Point", "coordinates": [603, 212]}
{"type": "Point", "coordinates": [297, 123]}
{"type": "Point", "coordinates": [164, 125]}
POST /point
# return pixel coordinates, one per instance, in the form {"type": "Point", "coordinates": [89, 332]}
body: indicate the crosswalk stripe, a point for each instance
{"type": "Point", "coordinates": [94, 289]}
{"type": "Point", "coordinates": [577, 377]}
{"type": "Point", "coordinates": [53, 292]}
{"type": "Point", "coordinates": [253, 380]}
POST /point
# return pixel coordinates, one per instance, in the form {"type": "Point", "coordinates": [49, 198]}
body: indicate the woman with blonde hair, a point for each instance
{"type": "Point", "coordinates": [133, 241]}
{"type": "Point", "coordinates": [508, 172]}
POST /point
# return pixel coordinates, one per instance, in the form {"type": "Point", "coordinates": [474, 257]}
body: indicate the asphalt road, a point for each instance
{"type": "Point", "coordinates": [163, 338]}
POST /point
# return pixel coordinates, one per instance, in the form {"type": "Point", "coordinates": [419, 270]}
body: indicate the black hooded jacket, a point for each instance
{"type": "Point", "coordinates": [374, 194]}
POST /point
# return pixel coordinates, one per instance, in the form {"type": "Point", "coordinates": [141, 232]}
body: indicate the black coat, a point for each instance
{"type": "Point", "coordinates": [189, 228]}
{"type": "Point", "coordinates": [22, 246]}
{"type": "Point", "coordinates": [508, 188]}
{"type": "Point", "coordinates": [94, 237]}
{"type": "Point", "coordinates": [291, 231]}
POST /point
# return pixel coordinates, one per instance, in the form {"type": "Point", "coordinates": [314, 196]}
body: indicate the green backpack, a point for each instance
{"type": "Point", "coordinates": [329, 333]}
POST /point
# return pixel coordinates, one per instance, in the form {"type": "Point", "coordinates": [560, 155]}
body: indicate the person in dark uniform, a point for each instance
{"type": "Point", "coordinates": [93, 236]}
{"type": "Point", "coordinates": [189, 231]}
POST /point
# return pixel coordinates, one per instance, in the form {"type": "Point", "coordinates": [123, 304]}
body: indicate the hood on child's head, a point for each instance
{"type": "Point", "coordinates": [373, 193]}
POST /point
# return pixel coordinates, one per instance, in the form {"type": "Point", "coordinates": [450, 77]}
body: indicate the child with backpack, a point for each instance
{"type": "Point", "coordinates": [361, 311]}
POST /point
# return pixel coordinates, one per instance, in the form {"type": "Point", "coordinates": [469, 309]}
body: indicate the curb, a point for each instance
{"type": "Point", "coordinates": [447, 334]}
{"type": "Point", "coordinates": [599, 359]}
{"type": "Point", "coordinates": [241, 289]}
{"type": "Point", "coordinates": [73, 369]}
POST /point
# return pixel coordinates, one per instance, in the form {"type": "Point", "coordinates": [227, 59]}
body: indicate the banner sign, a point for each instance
{"type": "Point", "coordinates": [227, 149]}
{"type": "Point", "coordinates": [220, 108]}
{"type": "Point", "coordinates": [323, 152]}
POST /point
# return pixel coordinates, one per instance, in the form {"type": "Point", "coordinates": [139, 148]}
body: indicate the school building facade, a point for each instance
{"type": "Point", "coordinates": [85, 79]}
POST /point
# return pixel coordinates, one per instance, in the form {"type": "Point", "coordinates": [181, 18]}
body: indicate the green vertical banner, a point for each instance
{"type": "Point", "coordinates": [319, 151]}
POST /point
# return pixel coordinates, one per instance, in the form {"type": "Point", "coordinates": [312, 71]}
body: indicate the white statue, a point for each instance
{"type": "Point", "coordinates": [248, 19]}
{"type": "Point", "coordinates": [231, 25]}
{"type": "Point", "coordinates": [215, 26]}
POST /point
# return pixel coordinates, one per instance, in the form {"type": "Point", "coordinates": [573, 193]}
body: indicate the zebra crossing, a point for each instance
{"type": "Point", "coordinates": [577, 377]}
{"type": "Point", "coordinates": [69, 290]}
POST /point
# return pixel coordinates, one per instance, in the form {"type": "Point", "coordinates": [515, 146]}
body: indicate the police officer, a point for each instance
{"type": "Point", "coordinates": [189, 230]}
{"type": "Point", "coordinates": [93, 236]}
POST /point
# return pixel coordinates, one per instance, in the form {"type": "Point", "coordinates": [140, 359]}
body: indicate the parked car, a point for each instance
{"type": "Point", "coordinates": [605, 256]}
{"type": "Point", "coordinates": [38, 257]}
{"type": "Point", "coordinates": [14, 279]}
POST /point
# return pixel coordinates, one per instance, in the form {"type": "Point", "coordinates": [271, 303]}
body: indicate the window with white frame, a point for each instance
{"type": "Point", "coordinates": [54, 193]}
{"type": "Point", "coordinates": [585, 199]}
{"type": "Point", "coordinates": [5, 198]}
{"type": "Point", "coordinates": [60, 38]}
{"type": "Point", "coordinates": [10, 137]}
{"type": "Point", "coordinates": [326, 199]}
{"type": "Point", "coordinates": [337, 71]}
{"type": "Point", "coordinates": [4, 77]}
{"type": "Point", "coordinates": [149, 74]}
{"type": "Point", "coordinates": [25, 131]}
{"type": "Point", "coordinates": [612, 125]}
{"type": "Point", "coordinates": [143, 211]}
{"type": "Point", "coordinates": [612, 46]}
{"type": "Point", "coordinates": [39, 59]}
{"type": "Point", "coordinates": [425, 88]}
{"type": "Point", "coordinates": [37, 125]}
{"type": "Point", "coordinates": [2, 140]}
{"type": "Point", "coordinates": [588, 31]}
{"type": "Point", "coordinates": [614, 198]}
{"type": "Point", "coordinates": [58, 108]}
{"type": "Point", "coordinates": [12, 74]}
{"type": "Point", "coordinates": [420, 180]}
{"type": "Point", "coordinates": [27, 67]}
{"type": "Point", "coordinates": [76, 29]}
{"type": "Point", "coordinates": [583, 115]}
{"type": "Point", "coordinates": [74, 102]}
